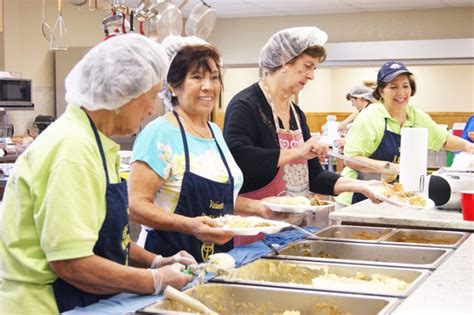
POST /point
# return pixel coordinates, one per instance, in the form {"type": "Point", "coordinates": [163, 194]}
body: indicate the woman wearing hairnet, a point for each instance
{"type": "Point", "coordinates": [268, 134]}
{"type": "Point", "coordinates": [64, 238]}
{"type": "Point", "coordinates": [375, 136]}
{"type": "Point", "coordinates": [360, 97]}
{"type": "Point", "coordinates": [182, 172]}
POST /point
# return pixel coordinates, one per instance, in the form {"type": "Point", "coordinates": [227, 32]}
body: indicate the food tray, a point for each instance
{"type": "Point", "coordinates": [425, 238]}
{"type": "Point", "coordinates": [353, 233]}
{"type": "Point", "coordinates": [299, 274]}
{"type": "Point", "coordinates": [366, 254]}
{"type": "Point", "coordinates": [245, 299]}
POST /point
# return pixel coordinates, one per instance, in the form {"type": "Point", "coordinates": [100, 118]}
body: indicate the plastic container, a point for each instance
{"type": "Point", "coordinates": [458, 128]}
{"type": "Point", "coordinates": [329, 119]}
{"type": "Point", "coordinates": [467, 204]}
{"type": "Point", "coordinates": [449, 158]}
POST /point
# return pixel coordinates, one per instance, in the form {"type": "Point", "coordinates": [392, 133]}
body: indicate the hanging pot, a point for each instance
{"type": "Point", "coordinates": [166, 21]}
{"type": "Point", "coordinates": [201, 21]}
{"type": "Point", "coordinates": [112, 23]}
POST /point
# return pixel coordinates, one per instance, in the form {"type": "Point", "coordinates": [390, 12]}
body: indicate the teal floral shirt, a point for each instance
{"type": "Point", "coordinates": [160, 145]}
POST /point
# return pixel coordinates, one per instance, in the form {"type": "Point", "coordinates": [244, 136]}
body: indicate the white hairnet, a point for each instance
{"type": "Point", "coordinates": [172, 44]}
{"type": "Point", "coordinates": [360, 91]}
{"type": "Point", "coordinates": [288, 44]}
{"type": "Point", "coordinates": [116, 71]}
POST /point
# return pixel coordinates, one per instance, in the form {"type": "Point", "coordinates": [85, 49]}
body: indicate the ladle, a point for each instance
{"type": "Point", "coordinates": [270, 245]}
{"type": "Point", "coordinates": [180, 297]}
{"type": "Point", "coordinates": [58, 39]}
{"type": "Point", "coordinates": [45, 28]}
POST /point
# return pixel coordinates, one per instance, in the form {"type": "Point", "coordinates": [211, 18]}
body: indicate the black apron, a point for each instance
{"type": "Point", "coordinates": [198, 196]}
{"type": "Point", "coordinates": [388, 150]}
{"type": "Point", "coordinates": [113, 242]}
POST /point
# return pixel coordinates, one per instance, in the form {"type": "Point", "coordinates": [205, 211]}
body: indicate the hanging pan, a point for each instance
{"type": "Point", "coordinates": [78, 2]}
{"type": "Point", "coordinates": [201, 21]}
{"type": "Point", "coordinates": [166, 21]}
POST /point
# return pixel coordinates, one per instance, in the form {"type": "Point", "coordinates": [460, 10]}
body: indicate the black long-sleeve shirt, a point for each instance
{"type": "Point", "coordinates": [250, 133]}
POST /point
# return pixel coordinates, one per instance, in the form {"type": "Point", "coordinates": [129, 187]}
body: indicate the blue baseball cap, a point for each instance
{"type": "Point", "coordinates": [389, 70]}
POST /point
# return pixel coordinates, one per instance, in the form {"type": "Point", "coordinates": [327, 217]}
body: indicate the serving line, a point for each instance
{"type": "Point", "coordinates": [384, 214]}
{"type": "Point", "coordinates": [448, 290]}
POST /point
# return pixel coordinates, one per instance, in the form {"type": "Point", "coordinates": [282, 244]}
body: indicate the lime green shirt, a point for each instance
{"type": "Point", "coordinates": [53, 209]}
{"type": "Point", "coordinates": [365, 135]}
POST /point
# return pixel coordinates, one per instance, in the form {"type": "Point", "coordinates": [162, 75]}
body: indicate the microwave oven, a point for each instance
{"type": "Point", "coordinates": [15, 93]}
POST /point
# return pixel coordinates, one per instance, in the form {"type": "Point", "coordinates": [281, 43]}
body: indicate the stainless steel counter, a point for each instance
{"type": "Point", "coordinates": [366, 212]}
{"type": "Point", "coordinates": [448, 290]}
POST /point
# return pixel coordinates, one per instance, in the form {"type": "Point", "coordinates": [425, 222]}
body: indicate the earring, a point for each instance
{"type": "Point", "coordinates": [117, 111]}
{"type": "Point", "coordinates": [283, 70]}
{"type": "Point", "coordinates": [173, 94]}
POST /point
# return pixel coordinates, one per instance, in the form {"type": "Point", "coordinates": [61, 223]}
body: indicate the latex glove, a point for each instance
{"type": "Point", "coordinates": [182, 257]}
{"type": "Point", "coordinates": [169, 275]}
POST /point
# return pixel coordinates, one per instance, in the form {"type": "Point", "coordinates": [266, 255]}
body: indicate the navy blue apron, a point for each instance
{"type": "Point", "coordinates": [113, 242]}
{"type": "Point", "coordinates": [388, 150]}
{"type": "Point", "coordinates": [198, 196]}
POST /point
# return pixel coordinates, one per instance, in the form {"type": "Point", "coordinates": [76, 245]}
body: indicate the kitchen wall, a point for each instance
{"type": "Point", "coordinates": [441, 88]}
{"type": "Point", "coordinates": [231, 35]}
{"type": "Point", "coordinates": [26, 51]}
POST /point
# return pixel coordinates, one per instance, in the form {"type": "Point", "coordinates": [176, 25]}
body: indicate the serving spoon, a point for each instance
{"type": "Point", "coordinates": [180, 297]}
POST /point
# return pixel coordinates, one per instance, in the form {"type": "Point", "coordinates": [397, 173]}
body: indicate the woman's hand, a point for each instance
{"type": "Point", "coordinates": [182, 257]}
{"type": "Point", "coordinates": [470, 135]}
{"type": "Point", "coordinates": [363, 188]}
{"type": "Point", "coordinates": [469, 148]}
{"type": "Point", "coordinates": [169, 275]}
{"type": "Point", "coordinates": [340, 144]}
{"type": "Point", "coordinates": [313, 148]}
{"type": "Point", "coordinates": [247, 206]}
{"type": "Point", "coordinates": [267, 213]}
{"type": "Point", "coordinates": [258, 208]}
{"type": "Point", "coordinates": [205, 229]}
{"type": "Point", "coordinates": [341, 127]}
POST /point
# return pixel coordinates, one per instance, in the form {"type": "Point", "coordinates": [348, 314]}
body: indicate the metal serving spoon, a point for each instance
{"type": "Point", "coordinates": [388, 174]}
{"type": "Point", "coordinates": [178, 296]}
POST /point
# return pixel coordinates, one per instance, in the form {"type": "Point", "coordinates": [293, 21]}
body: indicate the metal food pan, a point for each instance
{"type": "Point", "coordinates": [300, 275]}
{"type": "Point", "coordinates": [426, 238]}
{"type": "Point", "coordinates": [353, 233]}
{"type": "Point", "coordinates": [366, 254]}
{"type": "Point", "coordinates": [245, 299]}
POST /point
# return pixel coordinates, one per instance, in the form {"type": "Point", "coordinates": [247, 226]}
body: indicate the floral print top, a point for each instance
{"type": "Point", "coordinates": [160, 145]}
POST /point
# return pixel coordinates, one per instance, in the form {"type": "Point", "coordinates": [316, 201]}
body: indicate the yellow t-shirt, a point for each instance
{"type": "Point", "coordinates": [53, 209]}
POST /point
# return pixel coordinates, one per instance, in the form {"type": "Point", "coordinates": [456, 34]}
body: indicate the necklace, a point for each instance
{"type": "Point", "coordinates": [190, 124]}
{"type": "Point", "coordinates": [284, 116]}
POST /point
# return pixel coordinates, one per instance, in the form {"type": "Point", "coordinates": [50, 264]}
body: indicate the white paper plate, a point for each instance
{"type": "Point", "coordinates": [278, 207]}
{"type": "Point", "coordinates": [377, 189]}
{"type": "Point", "coordinates": [276, 226]}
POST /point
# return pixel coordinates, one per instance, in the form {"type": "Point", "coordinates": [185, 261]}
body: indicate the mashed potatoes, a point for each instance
{"type": "Point", "coordinates": [238, 222]}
